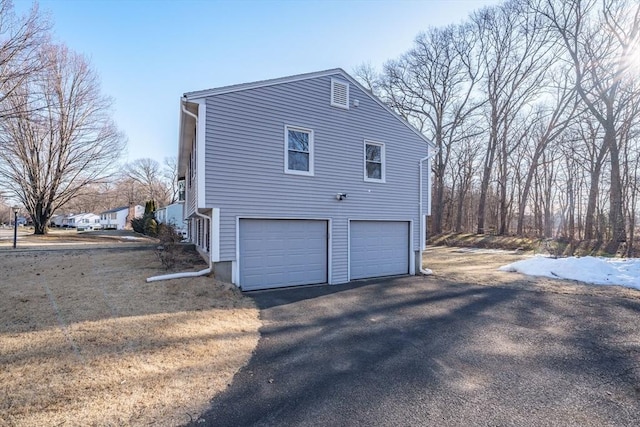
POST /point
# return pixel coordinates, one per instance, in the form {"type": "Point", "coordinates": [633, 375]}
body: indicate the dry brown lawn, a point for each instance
{"type": "Point", "coordinates": [480, 267]}
{"type": "Point", "coordinates": [84, 340]}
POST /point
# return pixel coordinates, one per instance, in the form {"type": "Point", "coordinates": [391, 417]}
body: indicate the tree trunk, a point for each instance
{"type": "Point", "coordinates": [484, 187]}
{"type": "Point", "coordinates": [438, 204]}
{"type": "Point", "coordinates": [40, 218]}
{"type": "Point", "coordinates": [616, 211]}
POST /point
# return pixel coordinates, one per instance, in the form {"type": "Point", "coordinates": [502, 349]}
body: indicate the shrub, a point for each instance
{"type": "Point", "coordinates": [138, 225]}
{"type": "Point", "coordinates": [150, 226]}
{"type": "Point", "coordinates": [169, 249]}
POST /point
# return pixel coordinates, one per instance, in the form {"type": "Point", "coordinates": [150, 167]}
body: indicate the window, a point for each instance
{"type": "Point", "coordinates": [373, 161]}
{"type": "Point", "coordinates": [181, 190]}
{"type": "Point", "coordinates": [298, 151]}
{"type": "Point", "coordinates": [339, 94]}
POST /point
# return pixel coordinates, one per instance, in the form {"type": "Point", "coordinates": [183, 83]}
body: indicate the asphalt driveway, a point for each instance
{"type": "Point", "coordinates": [413, 351]}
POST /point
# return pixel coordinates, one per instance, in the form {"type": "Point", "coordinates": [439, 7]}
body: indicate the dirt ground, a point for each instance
{"type": "Point", "coordinates": [85, 341]}
{"type": "Point", "coordinates": [480, 267]}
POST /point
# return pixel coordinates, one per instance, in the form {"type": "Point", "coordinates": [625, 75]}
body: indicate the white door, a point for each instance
{"type": "Point", "coordinates": [277, 253]}
{"type": "Point", "coordinates": [378, 248]}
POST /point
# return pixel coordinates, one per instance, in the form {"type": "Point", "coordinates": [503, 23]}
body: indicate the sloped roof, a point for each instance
{"type": "Point", "coordinates": [190, 96]}
{"type": "Point", "coordinates": [115, 209]}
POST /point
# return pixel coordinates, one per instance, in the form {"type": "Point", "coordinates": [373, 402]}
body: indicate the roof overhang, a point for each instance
{"type": "Point", "coordinates": [186, 135]}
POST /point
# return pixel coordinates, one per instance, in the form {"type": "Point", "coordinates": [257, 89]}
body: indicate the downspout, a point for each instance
{"type": "Point", "coordinates": [422, 217]}
{"type": "Point", "coordinates": [189, 273]}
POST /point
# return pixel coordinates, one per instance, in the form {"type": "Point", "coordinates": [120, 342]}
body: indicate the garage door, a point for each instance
{"type": "Point", "coordinates": [276, 253]}
{"type": "Point", "coordinates": [378, 248]}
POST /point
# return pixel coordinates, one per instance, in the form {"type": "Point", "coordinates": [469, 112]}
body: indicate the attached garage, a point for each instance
{"type": "Point", "coordinates": [276, 253]}
{"type": "Point", "coordinates": [378, 248]}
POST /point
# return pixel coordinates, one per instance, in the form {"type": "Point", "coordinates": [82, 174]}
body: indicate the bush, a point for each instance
{"type": "Point", "coordinates": [150, 226]}
{"type": "Point", "coordinates": [138, 225]}
{"type": "Point", "coordinates": [169, 249]}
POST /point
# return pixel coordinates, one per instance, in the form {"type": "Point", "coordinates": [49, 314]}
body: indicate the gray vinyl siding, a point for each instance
{"type": "Point", "coordinates": [245, 162]}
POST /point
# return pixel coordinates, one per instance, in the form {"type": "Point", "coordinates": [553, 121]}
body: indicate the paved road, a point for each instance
{"type": "Point", "coordinates": [414, 352]}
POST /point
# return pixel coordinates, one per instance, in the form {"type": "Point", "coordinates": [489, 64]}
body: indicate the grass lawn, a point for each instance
{"type": "Point", "coordinates": [84, 340]}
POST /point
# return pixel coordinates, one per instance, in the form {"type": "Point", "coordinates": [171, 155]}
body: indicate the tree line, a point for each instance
{"type": "Point", "coordinates": [60, 148]}
{"type": "Point", "coordinates": [534, 109]}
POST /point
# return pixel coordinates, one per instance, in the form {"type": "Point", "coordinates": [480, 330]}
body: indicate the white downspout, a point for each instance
{"type": "Point", "coordinates": [423, 223]}
{"type": "Point", "coordinates": [189, 273]}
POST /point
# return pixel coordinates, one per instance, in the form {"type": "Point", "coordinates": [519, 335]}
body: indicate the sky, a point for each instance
{"type": "Point", "coordinates": [147, 53]}
{"type": "Point", "coordinates": [594, 270]}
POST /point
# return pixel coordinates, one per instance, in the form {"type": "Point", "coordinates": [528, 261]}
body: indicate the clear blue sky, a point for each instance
{"type": "Point", "coordinates": [148, 53]}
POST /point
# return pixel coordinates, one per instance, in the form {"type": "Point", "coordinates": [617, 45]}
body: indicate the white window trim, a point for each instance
{"type": "Point", "coordinates": [335, 104]}
{"type": "Point", "coordinates": [383, 161]}
{"type": "Point", "coordinates": [310, 172]}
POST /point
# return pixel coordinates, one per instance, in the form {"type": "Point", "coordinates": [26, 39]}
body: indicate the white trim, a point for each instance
{"type": "Point", "coordinates": [383, 161]}
{"type": "Point", "coordinates": [201, 142]}
{"type": "Point", "coordinates": [335, 82]}
{"type": "Point", "coordinates": [214, 235]}
{"type": "Point", "coordinates": [261, 83]}
{"type": "Point", "coordinates": [235, 272]}
{"type": "Point", "coordinates": [428, 213]}
{"type": "Point", "coordinates": [195, 95]}
{"type": "Point", "coordinates": [287, 128]}
{"type": "Point", "coordinates": [411, 260]}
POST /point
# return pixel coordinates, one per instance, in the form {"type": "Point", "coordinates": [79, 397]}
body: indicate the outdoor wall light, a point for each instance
{"type": "Point", "coordinates": [341, 196]}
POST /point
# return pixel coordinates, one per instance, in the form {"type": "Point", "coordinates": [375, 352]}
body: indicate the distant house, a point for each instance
{"type": "Point", "coordinates": [171, 214]}
{"type": "Point", "coordinates": [56, 221]}
{"type": "Point", "coordinates": [88, 222]}
{"type": "Point", "coordinates": [72, 221]}
{"type": "Point", "coordinates": [120, 218]}
{"type": "Point", "coordinates": [302, 180]}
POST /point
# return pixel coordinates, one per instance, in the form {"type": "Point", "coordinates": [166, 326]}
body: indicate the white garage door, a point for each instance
{"type": "Point", "coordinates": [378, 248]}
{"type": "Point", "coordinates": [277, 253]}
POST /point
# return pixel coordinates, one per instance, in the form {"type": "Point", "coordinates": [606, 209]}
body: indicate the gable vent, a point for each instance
{"type": "Point", "coordinates": [339, 93]}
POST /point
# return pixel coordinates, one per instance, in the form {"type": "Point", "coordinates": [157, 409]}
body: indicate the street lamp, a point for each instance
{"type": "Point", "coordinates": [15, 226]}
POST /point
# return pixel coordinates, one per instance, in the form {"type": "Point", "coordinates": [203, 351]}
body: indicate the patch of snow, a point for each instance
{"type": "Point", "coordinates": [594, 270]}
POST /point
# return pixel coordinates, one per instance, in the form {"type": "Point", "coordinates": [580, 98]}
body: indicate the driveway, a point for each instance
{"type": "Point", "coordinates": [416, 351]}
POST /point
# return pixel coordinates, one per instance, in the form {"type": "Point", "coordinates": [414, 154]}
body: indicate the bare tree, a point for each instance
{"type": "Point", "coordinates": [151, 179]}
{"type": "Point", "coordinates": [49, 154]}
{"type": "Point", "coordinates": [170, 177]}
{"type": "Point", "coordinates": [432, 86]}
{"type": "Point", "coordinates": [516, 56]}
{"type": "Point", "coordinates": [20, 41]}
{"type": "Point", "coordinates": [550, 120]}
{"type": "Point", "coordinates": [599, 43]}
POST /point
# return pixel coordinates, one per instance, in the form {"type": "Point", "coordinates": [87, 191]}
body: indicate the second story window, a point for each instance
{"type": "Point", "coordinates": [374, 161]}
{"type": "Point", "coordinates": [298, 151]}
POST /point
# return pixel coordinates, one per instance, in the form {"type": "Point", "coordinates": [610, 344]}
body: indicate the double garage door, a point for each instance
{"type": "Point", "coordinates": [278, 253]}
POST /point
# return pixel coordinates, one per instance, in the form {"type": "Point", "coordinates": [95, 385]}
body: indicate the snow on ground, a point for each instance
{"type": "Point", "coordinates": [594, 270]}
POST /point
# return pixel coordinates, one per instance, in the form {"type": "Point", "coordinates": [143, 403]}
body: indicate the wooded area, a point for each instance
{"type": "Point", "coordinates": [534, 108]}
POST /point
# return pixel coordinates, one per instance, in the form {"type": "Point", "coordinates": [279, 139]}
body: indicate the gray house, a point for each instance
{"type": "Point", "coordinates": [302, 180]}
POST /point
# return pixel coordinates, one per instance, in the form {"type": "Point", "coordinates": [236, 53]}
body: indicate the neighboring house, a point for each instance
{"type": "Point", "coordinates": [73, 221]}
{"type": "Point", "coordinates": [302, 180]}
{"type": "Point", "coordinates": [171, 214]}
{"type": "Point", "coordinates": [56, 221]}
{"type": "Point", "coordinates": [120, 218]}
{"type": "Point", "coordinates": [88, 222]}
